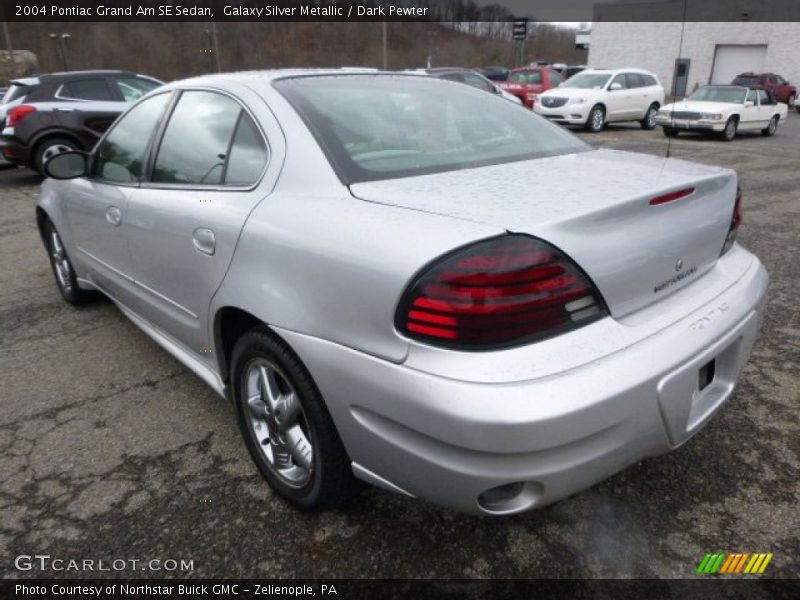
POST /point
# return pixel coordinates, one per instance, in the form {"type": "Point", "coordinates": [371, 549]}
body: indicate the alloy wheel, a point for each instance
{"type": "Point", "coordinates": [597, 119]}
{"type": "Point", "coordinates": [278, 423]}
{"type": "Point", "coordinates": [651, 118]}
{"type": "Point", "coordinates": [60, 261]}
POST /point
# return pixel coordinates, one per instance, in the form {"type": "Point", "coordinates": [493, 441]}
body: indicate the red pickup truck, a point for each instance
{"type": "Point", "coordinates": [528, 82]}
{"type": "Point", "coordinates": [782, 89]}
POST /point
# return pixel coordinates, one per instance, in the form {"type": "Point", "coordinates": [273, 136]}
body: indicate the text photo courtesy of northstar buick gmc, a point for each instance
{"type": "Point", "coordinates": [381, 303]}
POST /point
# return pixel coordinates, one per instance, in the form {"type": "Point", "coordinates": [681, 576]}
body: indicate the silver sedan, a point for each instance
{"type": "Point", "coordinates": [411, 282]}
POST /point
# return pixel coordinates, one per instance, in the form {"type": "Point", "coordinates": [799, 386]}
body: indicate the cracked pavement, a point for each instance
{"type": "Point", "coordinates": [111, 449]}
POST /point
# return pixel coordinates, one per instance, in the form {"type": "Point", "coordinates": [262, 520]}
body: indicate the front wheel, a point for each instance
{"type": "Point", "coordinates": [649, 121]}
{"type": "Point", "coordinates": [287, 428]}
{"type": "Point", "coordinates": [730, 129]}
{"type": "Point", "coordinates": [596, 120]}
{"type": "Point", "coordinates": [771, 128]}
{"type": "Point", "coordinates": [792, 101]}
{"type": "Point", "coordinates": [66, 279]}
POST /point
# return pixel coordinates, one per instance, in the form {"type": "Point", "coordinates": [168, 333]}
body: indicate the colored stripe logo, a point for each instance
{"type": "Point", "coordinates": [734, 562]}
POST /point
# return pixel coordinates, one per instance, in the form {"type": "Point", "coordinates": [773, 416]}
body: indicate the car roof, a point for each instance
{"type": "Point", "coordinates": [270, 75]}
{"type": "Point", "coordinates": [620, 70]}
{"type": "Point", "coordinates": [70, 74]}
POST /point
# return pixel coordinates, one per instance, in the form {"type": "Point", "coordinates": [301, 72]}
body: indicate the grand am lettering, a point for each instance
{"type": "Point", "coordinates": [673, 280]}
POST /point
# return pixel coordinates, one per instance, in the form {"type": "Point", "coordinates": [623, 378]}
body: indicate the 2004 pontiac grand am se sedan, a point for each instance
{"type": "Point", "coordinates": [349, 257]}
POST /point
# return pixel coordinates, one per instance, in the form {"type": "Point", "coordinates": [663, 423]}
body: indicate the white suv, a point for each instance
{"type": "Point", "coordinates": [595, 97]}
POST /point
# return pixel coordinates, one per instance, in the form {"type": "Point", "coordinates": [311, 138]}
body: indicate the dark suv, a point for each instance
{"type": "Point", "coordinates": [47, 114]}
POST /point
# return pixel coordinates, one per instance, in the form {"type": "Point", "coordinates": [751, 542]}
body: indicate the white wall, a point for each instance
{"type": "Point", "coordinates": [654, 46]}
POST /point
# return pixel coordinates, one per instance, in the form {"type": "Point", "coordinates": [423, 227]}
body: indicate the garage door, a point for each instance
{"type": "Point", "coordinates": [730, 60]}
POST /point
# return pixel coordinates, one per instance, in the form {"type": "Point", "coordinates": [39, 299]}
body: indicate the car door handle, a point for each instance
{"type": "Point", "coordinates": [204, 240]}
{"type": "Point", "coordinates": [114, 216]}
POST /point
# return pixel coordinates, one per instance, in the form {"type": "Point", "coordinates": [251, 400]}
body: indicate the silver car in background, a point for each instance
{"type": "Point", "coordinates": [401, 279]}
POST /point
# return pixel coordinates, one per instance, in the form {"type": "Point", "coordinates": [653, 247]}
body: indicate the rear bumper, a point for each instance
{"type": "Point", "coordinates": [14, 151]}
{"type": "Point", "coordinates": [448, 440]}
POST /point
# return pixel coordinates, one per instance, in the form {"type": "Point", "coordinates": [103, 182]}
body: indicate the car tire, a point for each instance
{"type": "Point", "coordinates": [791, 101]}
{"type": "Point", "coordinates": [64, 272]}
{"type": "Point", "coordinates": [596, 119]}
{"type": "Point", "coordinates": [649, 121]}
{"type": "Point", "coordinates": [769, 131]}
{"type": "Point", "coordinates": [729, 133]}
{"type": "Point", "coordinates": [49, 148]}
{"type": "Point", "coordinates": [286, 426]}
{"type": "Point", "coordinates": [670, 131]}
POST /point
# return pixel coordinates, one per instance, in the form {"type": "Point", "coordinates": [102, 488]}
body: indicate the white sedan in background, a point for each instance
{"type": "Point", "coordinates": [724, 109]}
{"type": "Point", "coordinates": [595, 97]}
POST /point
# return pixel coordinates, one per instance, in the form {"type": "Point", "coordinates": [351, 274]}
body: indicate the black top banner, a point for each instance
{"type": "Point", "coordinates": [399, 10]}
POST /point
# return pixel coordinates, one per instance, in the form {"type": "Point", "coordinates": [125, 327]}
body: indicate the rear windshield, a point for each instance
{"type": "Point", "coordinates": [733, 95]}
{"type": "Point", "coordinates": [374, 127]}
{"type": "Point", "coordinates": [525, 77]}
{"type": "Point", "coordinates": [17, 90]}
{"type": "Point", "coordinates": [746, 80]}
{"type": "Point", "coordinates": [587, 81]}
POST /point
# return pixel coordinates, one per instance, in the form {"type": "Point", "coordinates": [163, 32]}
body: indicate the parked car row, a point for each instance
{"type": "Point", "coordinates": [42, 116]}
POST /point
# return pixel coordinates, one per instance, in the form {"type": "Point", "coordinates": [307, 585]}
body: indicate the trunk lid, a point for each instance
{"type": "Point", "coordinates": [594, 206]}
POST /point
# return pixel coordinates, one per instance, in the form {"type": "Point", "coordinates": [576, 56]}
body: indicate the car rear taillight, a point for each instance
{"type": "Point", "coordinates": [736, 220]}
{"type": "Point", "coordinates": [16, 114]}
{"type": "Point", "coordinates": [498, 293]}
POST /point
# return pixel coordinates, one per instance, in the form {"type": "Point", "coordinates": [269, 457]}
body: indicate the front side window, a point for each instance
{"type": "Point", "coordinates": [86, 89]}
{"type": "Point", "coordinates": [374, 127]}
{"type": "Point", "coordinates": [133, 88]}
{"type": "Point", "coordinates": [479, 82]}
{"type": "Point", "coordinates": [780, 80]}
{"type": "Point", "coordinates": [621, 80]}
{"type": "Point", "coordinates": [196, 141]}
{"type": "Point", "coordinates": [555, 78]}
{"type": "Point", "coordinates": [121, 155]}
{"type": "Point", "coordinates": [634, 80]}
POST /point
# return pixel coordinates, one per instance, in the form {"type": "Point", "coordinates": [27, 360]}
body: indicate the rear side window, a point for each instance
{"type": "Point", "coordinates": [196, 141]}
{"type": "Point", "coordinates": [120, 157]}
{"type": "Point", "coordinates": [133, 88]}
{"type": "Point", "coordinates": [17, 90]}
{"type": "Point", "coordinates": [248, 155]}
{"type": "Point", "coordinates": [86, 89]}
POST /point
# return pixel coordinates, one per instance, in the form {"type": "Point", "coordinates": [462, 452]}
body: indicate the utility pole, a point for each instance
{"type": "Point", "coordinates": [12, 66]}
{"type": "Point", "coordinates": [215, 41]}
{"type": "Point", "coordinates": [384, 32]}
{"type": "Point", "coordinates": [61, 41]}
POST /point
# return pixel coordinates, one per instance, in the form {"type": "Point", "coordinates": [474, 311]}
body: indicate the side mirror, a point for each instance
{"type": "Point", "coordinates": [67, 165]}
{"type": "Point", "coordinates": [615, 86]}
{"type": "Point", "coordinates": [749, 103]}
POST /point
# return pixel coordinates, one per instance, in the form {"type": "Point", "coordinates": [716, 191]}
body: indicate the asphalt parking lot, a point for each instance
{"type": "Point", "coordinates": [111, 449]}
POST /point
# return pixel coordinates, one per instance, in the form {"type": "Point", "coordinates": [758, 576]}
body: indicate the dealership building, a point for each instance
{"type": "Point", "coordinates": [684, 56]}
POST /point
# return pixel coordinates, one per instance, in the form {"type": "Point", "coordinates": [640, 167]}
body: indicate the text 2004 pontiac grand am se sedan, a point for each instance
{"type": "Point", "coordinates": [379, 299]}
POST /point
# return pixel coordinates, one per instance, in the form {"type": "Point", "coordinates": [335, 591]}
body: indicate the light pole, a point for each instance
{"type": "Point", "coordinates": [61, 40]}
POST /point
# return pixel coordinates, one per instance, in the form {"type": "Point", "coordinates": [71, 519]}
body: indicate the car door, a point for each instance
{"type": "Point", "coordinates": [184, 223]}
{"type": "Point", "coordinates": [751, 112]}
{"type": "Point", "coordinates": [619, 104]}
{"type": "Point", "coordinates": [96, 206]}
